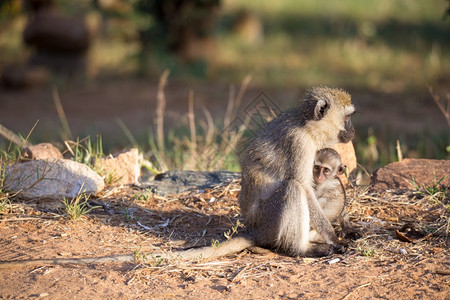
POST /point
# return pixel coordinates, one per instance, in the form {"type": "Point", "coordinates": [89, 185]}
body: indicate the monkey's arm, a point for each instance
{"type": "Point", "coordinates": [319, 222]}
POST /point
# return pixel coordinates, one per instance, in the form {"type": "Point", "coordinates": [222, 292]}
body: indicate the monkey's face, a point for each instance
{"type": "Point", "coordinates": [332, 115]}
{"type": "Point", "coordinates": [348, 133]}
{"type": "Point", "coordinates": [321, 173]}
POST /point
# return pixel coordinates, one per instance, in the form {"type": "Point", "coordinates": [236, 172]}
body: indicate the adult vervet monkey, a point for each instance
{"type": "Point", "coordinates": [277, 199]}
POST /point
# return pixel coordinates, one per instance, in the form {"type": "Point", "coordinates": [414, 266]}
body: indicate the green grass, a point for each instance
{"type": "Point", "coordinates": [365, 250]}
{"type": "Point", "coordinates": [437, 192]}
{"type": "Point", "coordinates": [77, 207]}
{"type": "Point", "coordinates": [437, 195]}
{"type": "Point", "coordinates": [372, 44]}
{"type": "Point", "coordinates": [382, 45]}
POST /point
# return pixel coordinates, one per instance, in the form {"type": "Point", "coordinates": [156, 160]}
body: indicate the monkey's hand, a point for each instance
{"type": "Point", "coordinates": [352, 234]}
{"type": "Point", "coordinates": [339, 248]}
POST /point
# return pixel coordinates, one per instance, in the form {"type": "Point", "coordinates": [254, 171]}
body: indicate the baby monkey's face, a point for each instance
{"type": "Point", "coordinates": [327, 167]}
{"type": "Point", "coordinates": [321, 173]}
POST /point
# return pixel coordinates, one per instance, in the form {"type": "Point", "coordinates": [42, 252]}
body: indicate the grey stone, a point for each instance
{"type": "Point", "coordinates": [55, 178]}
{"type": "Point", "coordinates": [173, 182]}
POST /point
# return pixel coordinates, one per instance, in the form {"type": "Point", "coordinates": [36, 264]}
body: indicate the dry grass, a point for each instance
{"type": "Point", "coordinates": [378, 217]}
{"type": "Point", "coordinates": [208, 144]}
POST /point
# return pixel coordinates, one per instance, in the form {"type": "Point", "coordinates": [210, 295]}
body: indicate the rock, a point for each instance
{"type": "Point", "coordinates": [53, 31]}
{"type": "Point", "coordinates": [122, 167]}
{"type": "Point", "coordinates": [17, 76]}
{"type": "Point", "coordinates": [54, 178]}
{"type": "Point", "coordinates": [399, 175]}
{"type": "Point", "coordinates": [174, 182]}
{"type": "Point", "coordinates": [59, 42]}
{"type": "Point", "coordinates": [40, 151]}
{"type": "Point", "coordinates": [348, 157]}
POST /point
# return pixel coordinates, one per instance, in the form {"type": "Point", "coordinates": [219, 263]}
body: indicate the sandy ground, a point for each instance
{"type": "Point", "coordinates": [376, 266]}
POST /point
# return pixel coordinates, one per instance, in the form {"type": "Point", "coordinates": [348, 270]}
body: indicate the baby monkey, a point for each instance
{"type": "Point", "coordinates": [329, 189]}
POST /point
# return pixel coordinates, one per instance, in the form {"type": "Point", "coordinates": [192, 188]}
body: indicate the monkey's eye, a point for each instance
{"type": "Point", "coordinates": [326, 171]}
{"type": "Point", "coordinates": [316, 168]}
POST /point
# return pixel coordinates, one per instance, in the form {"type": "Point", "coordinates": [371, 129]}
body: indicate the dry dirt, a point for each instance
{"type": "Point", "coordinates": [376, 266]}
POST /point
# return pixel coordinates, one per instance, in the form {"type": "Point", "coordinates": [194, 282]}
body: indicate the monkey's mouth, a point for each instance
{"type": "Point", "coordinates": [346, 136]}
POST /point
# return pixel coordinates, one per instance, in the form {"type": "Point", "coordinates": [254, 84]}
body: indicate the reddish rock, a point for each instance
{"type": "Point", "coordinates": [53, 31]}
{"type": "Point", "coordinates": [40, 151]}
{"type": "Point", "coordinates": [17, 76]}
{"type": "Point", "coordinates": [348, 157]}
{"type": "Point", "coordinates": [399, 175]}
{"type": "Point", "coordinates": [121, 168]}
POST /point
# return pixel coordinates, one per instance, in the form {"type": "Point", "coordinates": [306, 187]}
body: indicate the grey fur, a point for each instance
{"type": "Point", "coordinates": [331, 192]}
{"type": "Point", "coordinates": [277, 199]}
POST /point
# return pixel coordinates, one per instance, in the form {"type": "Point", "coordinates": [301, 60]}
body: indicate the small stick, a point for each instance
{"type": "Point", "coordinates": [160, 107]}
{"type": "Point", "coordinates": [191, 118]}
{"type": "Point", "coordinates": [355, 289]}
{"type": "Point", "coordinates": [61, 113]}
{"type": "Point", "coordinates": [65, 261]}
{"type": "Point", "coordinates": [11, 136]}
{"type": "Point", "coordinates": [442, 272]}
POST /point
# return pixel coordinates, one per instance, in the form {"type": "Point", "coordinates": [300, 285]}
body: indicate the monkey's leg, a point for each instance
{"type": "Point", "coordinates": [322, 231]}
{"type": "Point", "coordinates": [294, 223]}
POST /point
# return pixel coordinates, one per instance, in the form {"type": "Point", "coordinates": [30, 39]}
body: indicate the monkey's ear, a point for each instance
{"type": "Point", "coordinates": [321, 109]}
{"type": "Point", "coordinates": [341, 170]}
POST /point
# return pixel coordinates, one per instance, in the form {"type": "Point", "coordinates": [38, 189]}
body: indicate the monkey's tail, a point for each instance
{"type": "Point", "coordinates": [231, 246]}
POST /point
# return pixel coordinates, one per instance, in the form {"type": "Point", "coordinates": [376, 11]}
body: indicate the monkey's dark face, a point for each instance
{"type": "Point", "coordinates": [348, 133]}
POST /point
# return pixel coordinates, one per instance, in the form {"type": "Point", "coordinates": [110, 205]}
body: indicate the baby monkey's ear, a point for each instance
{"type": "Point", "coordinates": [342, 169]}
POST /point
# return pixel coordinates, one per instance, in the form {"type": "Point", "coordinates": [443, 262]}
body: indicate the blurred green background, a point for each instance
{"type": "Point", "coordinates": [387, 53]}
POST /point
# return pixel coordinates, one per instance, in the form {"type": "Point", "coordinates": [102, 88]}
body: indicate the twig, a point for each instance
{"type": "Point", "coordinates": [11, 136]}
{"type": "Point", "coordinates": [29, 219]}
{"type": "Point", "coordinates": [239, 274]}
{"type": "Point", "coordinates": [160, 107]}
{"type": "Point", "coordinates": [242, 90]}
{"type": "Point", "coordinates": [61, 114]}
{"type": "Point", "coordinates": [442, 272]}
{"type": "Point", "coordinates": [230, 108]}
{"type": "Point", "coordinates": [437, 99]}
{"type": "Point", "coordinates": [191, 118]}
{"type": "Point", "coordinates": [355, 289]}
